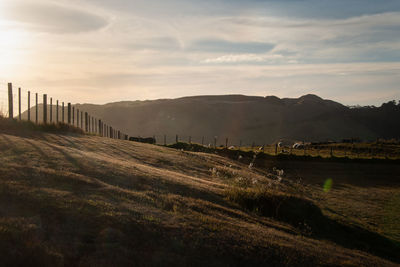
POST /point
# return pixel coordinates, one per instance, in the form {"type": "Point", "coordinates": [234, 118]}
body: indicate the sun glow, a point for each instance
{"type": "Point", "coordinates": [13, 42]}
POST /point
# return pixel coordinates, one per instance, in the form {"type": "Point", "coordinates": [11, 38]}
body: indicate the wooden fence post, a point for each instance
{"type": "Point", "coordinates": [44, 108]}
{"type": "Point", "coordinates": [10, 101]}
{"type": "Point", "coordinates": [57, 112]}
{"type": "Point", "coordinates": [51, 109]}
{"type": "Point", "coordinates": [73, 115]}
{"type": "Point", "coordinates": [77, 118]}
{"type": "Point", "coordinates": [100, 132]}
{"type": "Point", "coordinates": [165, 140]}
{"type": "Point", "coordinates": [19, 103]}
{"type": "Point", "coordinates": [111, 132]}
{"type": "Point", "coordinates": [37, 109]}
{"type": "Point", "coordinates": [29, 105]}
{"type": "Point", "coordinates": [69, 113]}
{"type": "Point", "coordinates": [62, 111]}
{"type": "Point", "coordinates": [86, 122]}
{"type": "Point", "coordinates": [89, 130]}
{"type": "Point", "coordinates": [82, 120]}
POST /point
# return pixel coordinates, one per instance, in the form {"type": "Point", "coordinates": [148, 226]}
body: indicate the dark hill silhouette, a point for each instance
{"type": "Point", "coordinates": [250, 118]}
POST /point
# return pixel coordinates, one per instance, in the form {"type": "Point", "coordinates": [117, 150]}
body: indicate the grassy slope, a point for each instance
{"type": "Point", "coordinates": [85, 200]}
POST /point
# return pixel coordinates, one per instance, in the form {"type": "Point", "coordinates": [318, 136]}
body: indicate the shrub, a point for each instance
{"type": "Point", "coordinates": [288, 208]}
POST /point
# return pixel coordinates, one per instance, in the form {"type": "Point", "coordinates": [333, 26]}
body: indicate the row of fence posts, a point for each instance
{"type": "Point", "coordinates": [253, 146]}
{"type": "Point", "coordinates": [93, 125]}
{"type": "Point", "coordinates": [83, 120]}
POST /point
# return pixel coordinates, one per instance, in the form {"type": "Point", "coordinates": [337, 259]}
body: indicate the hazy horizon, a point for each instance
{"type": "Point", "coordinates": [87, 51]}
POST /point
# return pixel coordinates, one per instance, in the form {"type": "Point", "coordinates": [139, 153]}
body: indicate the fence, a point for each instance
{"type": "Point", "coordinates": [40, 108]}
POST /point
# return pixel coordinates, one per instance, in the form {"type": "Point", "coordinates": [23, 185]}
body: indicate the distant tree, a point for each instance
{"type": "Point", "coordinates": [390, 104]}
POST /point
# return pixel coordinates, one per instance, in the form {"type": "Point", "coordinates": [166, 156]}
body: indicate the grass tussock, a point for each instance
{"type": "Point", "coordinates": [285, 207]}
{"type": "Point", "coordinates": [13, 126]}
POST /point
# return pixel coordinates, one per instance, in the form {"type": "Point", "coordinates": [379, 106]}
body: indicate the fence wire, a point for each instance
{"type": "Point", "coordinates": [39, 107]}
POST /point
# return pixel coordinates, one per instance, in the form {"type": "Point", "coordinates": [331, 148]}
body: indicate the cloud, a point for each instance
{"type": "Point", "coordinates": [52, 17]}
{"type": "Point", "coordinates": [245, 58]}
{"type": "Point", "coordinates": [316, 9]}
{"type": "Point", "coordinates": [230, 47]}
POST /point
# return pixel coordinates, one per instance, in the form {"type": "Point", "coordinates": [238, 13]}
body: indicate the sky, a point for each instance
{"type": "Point", "coordinates": [101, 51]}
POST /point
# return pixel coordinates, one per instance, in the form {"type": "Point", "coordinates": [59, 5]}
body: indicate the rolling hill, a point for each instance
{"type": "Point", "coordinates": [76, 200]}
{"type": "Point", "coordinates": [247, 118]}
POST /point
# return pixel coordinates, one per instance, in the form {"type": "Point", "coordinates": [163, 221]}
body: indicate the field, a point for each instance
{"type": "Point", "coordinates": [372, 150]}
{"type": "Point", "coordinates": [72, 199]}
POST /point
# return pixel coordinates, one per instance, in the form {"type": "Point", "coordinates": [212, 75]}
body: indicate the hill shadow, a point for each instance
{"type": "Point", "coordinates": [309, 219]}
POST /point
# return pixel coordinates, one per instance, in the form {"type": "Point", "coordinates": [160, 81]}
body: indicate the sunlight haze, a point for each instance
{"type": "Point", "coordinates": [105, 51]}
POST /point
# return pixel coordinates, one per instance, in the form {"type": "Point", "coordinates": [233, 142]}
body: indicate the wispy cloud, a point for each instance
{"type": "Point", "coordinates": [49, 16]}
{"type": "Point", "coordinates": [338, 49]}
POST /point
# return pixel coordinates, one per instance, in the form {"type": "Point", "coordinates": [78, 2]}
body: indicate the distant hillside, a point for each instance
{"type": "Point", "coordinates": [250, 118]}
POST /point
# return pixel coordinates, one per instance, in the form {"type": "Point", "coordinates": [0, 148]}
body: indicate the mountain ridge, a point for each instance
{"type": "Point", "coordinates": [249, 119]}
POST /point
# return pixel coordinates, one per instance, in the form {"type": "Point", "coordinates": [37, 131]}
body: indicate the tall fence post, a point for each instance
{"type": "Point", "coordinates": [62, 112]}
{"type": "Point", "coordinates": [77, 118]}
{"type": "Point", "coordinates": [86, 122]}
{"type": "Point", "coordinates": [69, 113]}
{"type": "Point", "coordinates": [100, 133]}
{"type": "Point", "coordinates": [19, 103]}
{"type": "Point", "coordinates": [44, 108]}
{"type": "Point", "coordinates": [57, 112]}
{"type": "Point", "coordinates": [29, 105]}
{"type": "Point", "coordinates": [51, 110]}
{"type": "Point", "coordinates": [73, 116]}
{"type": "Point", "coordinates": [111, 132]}
{"type": "Point", "coordinates": [10, 101]}
{"type": "Point", "coordinates": [89, 129]}
{"type": "Point", "coordinates": [37, 109]}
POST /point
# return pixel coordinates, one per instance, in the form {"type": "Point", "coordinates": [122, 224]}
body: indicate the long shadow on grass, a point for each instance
{"type": "Point", "coordinates": [135, 182]}
{"type": "Point", "coordinates": [306, 216]}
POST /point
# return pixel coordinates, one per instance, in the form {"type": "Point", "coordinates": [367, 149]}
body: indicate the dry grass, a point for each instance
{"type": "Point", "coordinates": [85, 200]}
